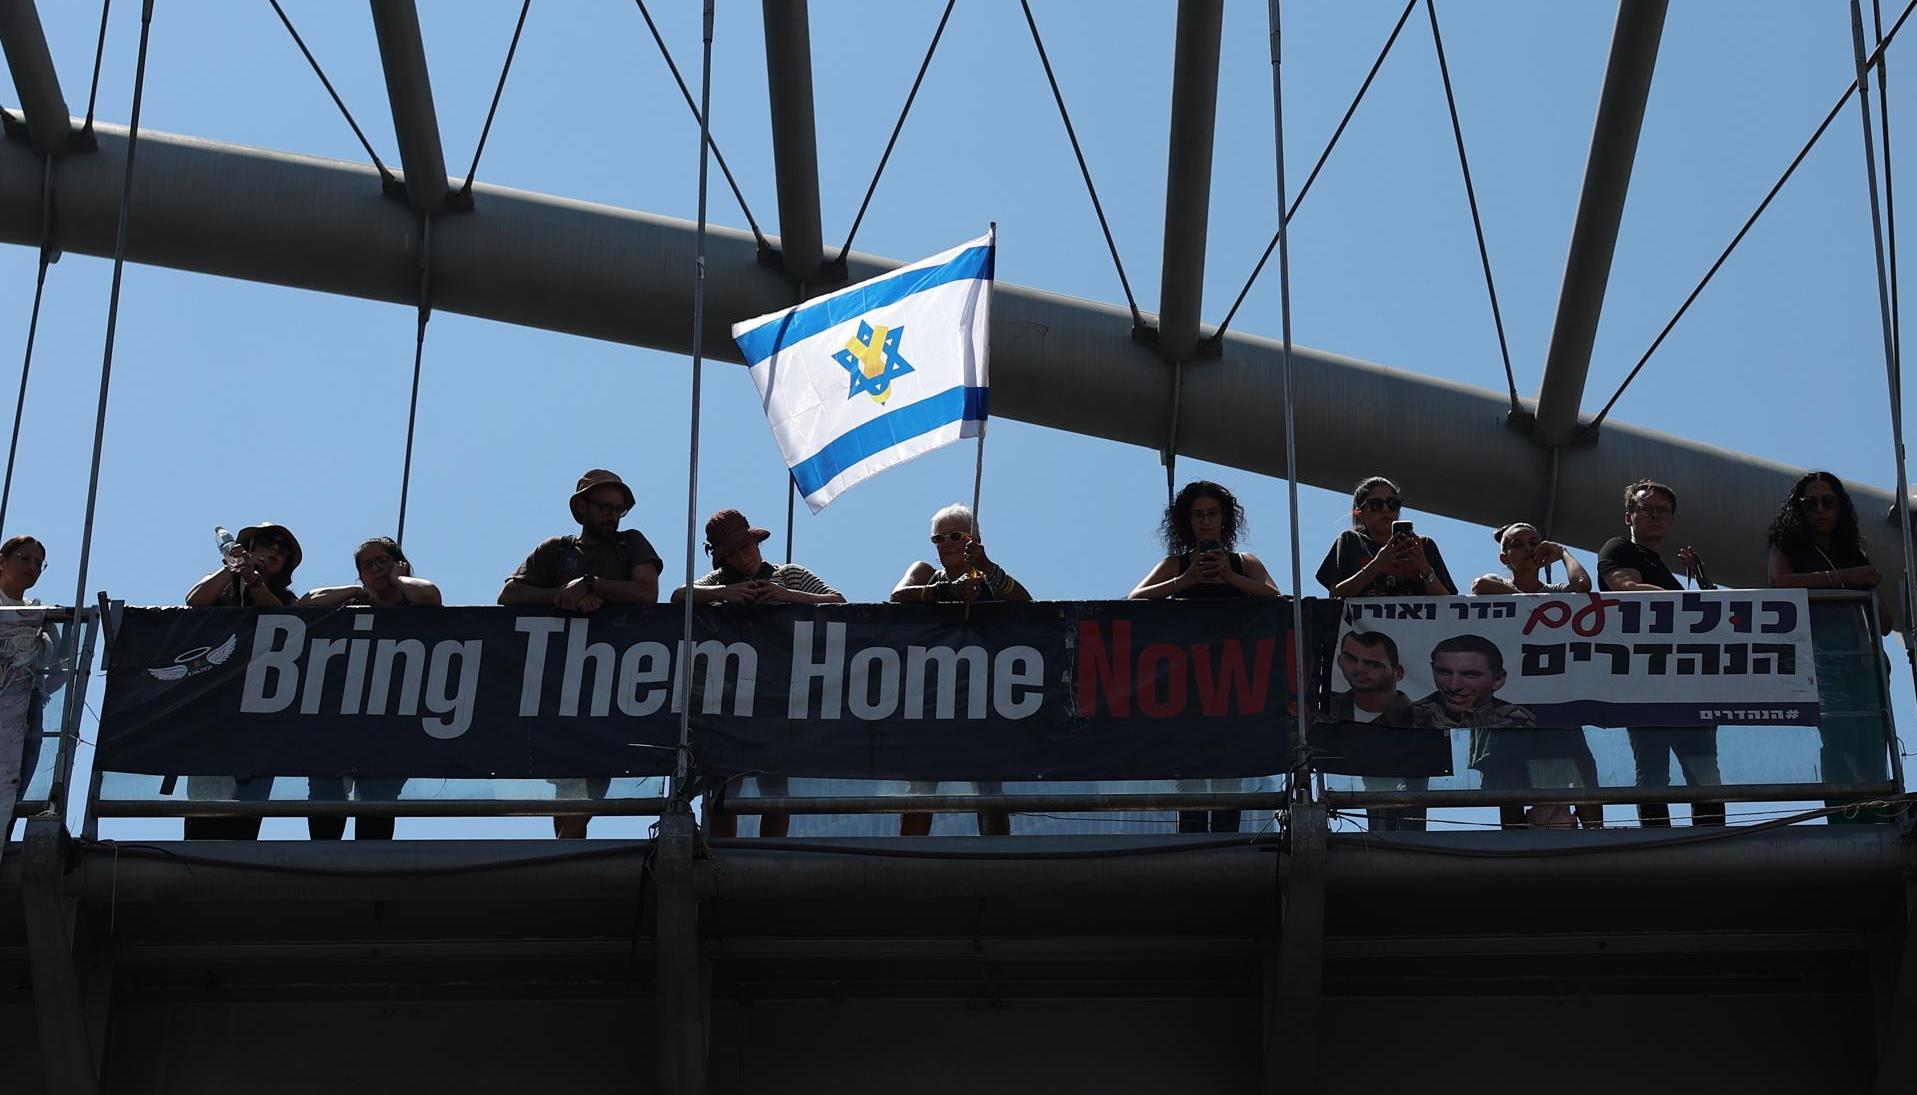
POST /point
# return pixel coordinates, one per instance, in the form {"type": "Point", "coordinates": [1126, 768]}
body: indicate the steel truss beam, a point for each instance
{"type": "Point", "coordinates": [415, 122]}
{"type": "Point", "coordinates": [1071, 364]}
{"type": "Point", "coordinates": [1194, 113]}
{"type": "Point", "coordinates": [795, 145]}
{"type": "Point", "coordinates": [25, 42]}
{"type": "Point", "coordinates": [1607, 176]}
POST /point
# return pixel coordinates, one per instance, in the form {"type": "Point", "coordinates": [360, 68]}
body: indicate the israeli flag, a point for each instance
{"type": "Point", "coordinates": [877, 373]}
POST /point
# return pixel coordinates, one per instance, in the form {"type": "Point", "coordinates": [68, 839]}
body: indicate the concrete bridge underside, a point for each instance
{"type": "Point", "coordinates": [1572, 962]}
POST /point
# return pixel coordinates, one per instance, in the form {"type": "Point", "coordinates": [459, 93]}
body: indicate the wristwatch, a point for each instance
{"type": "Point", "coordinates": [591, 580]}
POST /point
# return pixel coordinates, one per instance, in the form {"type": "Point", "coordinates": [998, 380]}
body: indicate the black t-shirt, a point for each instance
{"type": "Point", "coordinates": [1807, 558]}
{"type": "Point", "coordinates": [1353, 549]}
{"type": "Point", "coordinates": [1621, 553]}
{"type": "Point", "coordinates": [561, 559]}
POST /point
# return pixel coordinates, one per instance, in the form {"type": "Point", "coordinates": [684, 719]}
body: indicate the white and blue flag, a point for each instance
{"type": "Point", "coordinates": [877, 373]}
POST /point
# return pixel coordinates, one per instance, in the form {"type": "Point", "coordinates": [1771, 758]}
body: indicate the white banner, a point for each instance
{"type": "Point", "coordinates": [1577, 659]}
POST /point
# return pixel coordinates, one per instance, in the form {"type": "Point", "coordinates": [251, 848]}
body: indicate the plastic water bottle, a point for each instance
{"type": "Point", "coordinates": [232, 555]}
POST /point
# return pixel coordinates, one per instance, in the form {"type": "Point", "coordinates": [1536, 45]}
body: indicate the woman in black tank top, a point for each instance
{"type": "Point", "coordinates": [1201, 530]}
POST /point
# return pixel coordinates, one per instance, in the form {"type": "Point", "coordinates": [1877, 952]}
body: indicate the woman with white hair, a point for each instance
{"type": "Point", "coordinates": [964, 574]}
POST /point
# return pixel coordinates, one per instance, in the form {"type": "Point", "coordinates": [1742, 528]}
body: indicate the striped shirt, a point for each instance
{"type": "Point", "coordinates": [789, 575]}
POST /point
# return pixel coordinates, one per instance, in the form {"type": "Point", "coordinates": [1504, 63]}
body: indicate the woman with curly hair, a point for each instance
{"type": "Point", "coordinates": [1201, 529]}
{"type": "Point", "coordinates": [1815, 544]}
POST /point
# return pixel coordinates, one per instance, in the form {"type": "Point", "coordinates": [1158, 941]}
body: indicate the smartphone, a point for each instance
{"type": "Point", "coordinates": [1401, 528]}
{"type": "Point", "coordinates": [1209, 545]}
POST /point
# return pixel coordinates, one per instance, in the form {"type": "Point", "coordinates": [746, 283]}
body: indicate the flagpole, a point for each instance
{"type": "Point", "coordinates": [978, 466]}
{"type": "Point", "coordinates": [682, 765]}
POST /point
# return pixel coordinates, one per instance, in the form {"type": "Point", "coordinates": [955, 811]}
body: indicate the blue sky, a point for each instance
{"type": "Point", "coordinates": [234, 402]}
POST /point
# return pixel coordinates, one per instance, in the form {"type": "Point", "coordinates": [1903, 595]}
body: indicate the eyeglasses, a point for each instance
{"type": "Point", "coordinates": [39, 565]}
{"type": "Point", "coordinates": [1819, 501]}
{"type": "Point", "coordinates": [259, 545]}
{"type": "Point", "coordinates": [609, 509]}
{"type": "Point", "coordinates": [950, 537]}
{"type": "Point", "coordinates": [377, 564]}
{"type": "Point", "coordinates": [1379, 505]}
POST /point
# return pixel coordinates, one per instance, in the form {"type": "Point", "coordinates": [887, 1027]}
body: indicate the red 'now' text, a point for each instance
{"type": "Point", "coordinates": [1161, 677]}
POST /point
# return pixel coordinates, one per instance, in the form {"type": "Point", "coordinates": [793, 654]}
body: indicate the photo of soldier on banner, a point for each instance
{"type": "Point", "coordinates": [1525, 674]}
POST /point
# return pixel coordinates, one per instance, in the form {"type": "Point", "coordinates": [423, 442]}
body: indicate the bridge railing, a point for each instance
{"type": "Point", "coordinates": [1137, 713]}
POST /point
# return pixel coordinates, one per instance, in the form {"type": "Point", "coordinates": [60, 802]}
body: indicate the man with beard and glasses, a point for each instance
{"type": "Point", "coordinates": [583, 573]}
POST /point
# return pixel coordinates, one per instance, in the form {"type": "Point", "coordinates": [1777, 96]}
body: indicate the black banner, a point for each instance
{"type": "Point", "coordinates": [1123, 690]}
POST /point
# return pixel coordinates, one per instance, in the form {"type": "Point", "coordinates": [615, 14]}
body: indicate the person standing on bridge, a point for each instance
{"type": "Point", "coordinates": [744, 577]}
{"type": "Point", "coordinates": [23, 656]}
{"type": "Point", "coordinates": [601, 565]}
{"type": "Point", "coordinates": [385, 581]}
{"type": "Point", "coordinates": [1634, 563]}
{"type": "Point", "coordinates": [1815, 544]}
{"type": "Point", "coordinates": [1546, 756]}
{"type": "Point", "coordinates": [964, 574]}
{"type": "Point", "coordinates": [1201, 529]}
{"type": "Point", "coordinates": [258, 573]}
{"type": "Point", "coordinates": [1379, 555]}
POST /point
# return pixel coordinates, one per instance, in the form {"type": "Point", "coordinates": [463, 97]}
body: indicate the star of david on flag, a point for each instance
{"type": "Point", "coordinates": [877, 373]}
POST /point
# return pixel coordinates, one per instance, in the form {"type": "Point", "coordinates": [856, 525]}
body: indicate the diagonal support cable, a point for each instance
{"type": "Point", "coordinates": [486, 130]}
{"type": "Point", "coordinates": [33, 331]}
{"type": "Point", "coordinates": [897, 128]}
{"type": "Point", "coordinates": [1875, 58]}
{"type": "Point", "coordinates": [1391, 40]}
{"type": "Point", "coordinates": [699, 117]}
{"type": "Point", "coordinates": [1890, 202]}
{"type": "Point", "coordinates": [70, 725]}
{"type": "Point", "coordinates": [99, 53]}
{"type": "Point", "coordinates": [385, 175]}
{"type": "Point", "coordinates": [1471, 196]}
{"type": "Point", "coordinates": [419, 355]}
{"type": "Point", "coordinates": [1138, 321]}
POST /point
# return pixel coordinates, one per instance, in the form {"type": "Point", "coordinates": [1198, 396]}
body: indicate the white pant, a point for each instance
{"type": "Point", "coordinates": [19, 703]}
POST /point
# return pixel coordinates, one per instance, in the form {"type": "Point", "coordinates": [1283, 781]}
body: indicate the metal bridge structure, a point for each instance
{"type": "Point", "coordinates": [1762, 958]}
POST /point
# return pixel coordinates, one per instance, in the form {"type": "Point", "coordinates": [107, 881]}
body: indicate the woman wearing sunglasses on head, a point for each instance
{"type": "Point", "coordinates": [1814, 544]}
{"type": "Point", "coordinates": [1380, 556]}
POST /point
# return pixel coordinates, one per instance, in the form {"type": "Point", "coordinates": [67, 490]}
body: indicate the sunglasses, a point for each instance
{"type": "Point", "coordinates": [1820, 502]}
{"type": "Point", "coordinates": [1379, 505]}
{"type": "Point", "coordinates": [610, 509]}
{"type": "Point", "coordinates": [950, 537]}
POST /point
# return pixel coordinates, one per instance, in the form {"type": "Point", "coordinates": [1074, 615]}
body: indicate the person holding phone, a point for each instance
{"type": "Point", "coordinates": [1201, 529]}
{"type": "Point", "coordinates": [1380, 555]}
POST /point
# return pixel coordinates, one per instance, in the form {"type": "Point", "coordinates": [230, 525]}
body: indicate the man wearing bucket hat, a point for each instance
{"type": "Point", "coordinates": [258, 574]}
{"type": "Point", "coordinates": [261, 574]}
{"type": "Point", "coordinates": [602, 565]}
{"type": "Point", "coordinates": [744, 577]}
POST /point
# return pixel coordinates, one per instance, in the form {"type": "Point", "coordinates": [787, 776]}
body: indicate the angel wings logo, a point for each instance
{"type": "Point", "coordinates": [197, 660]}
